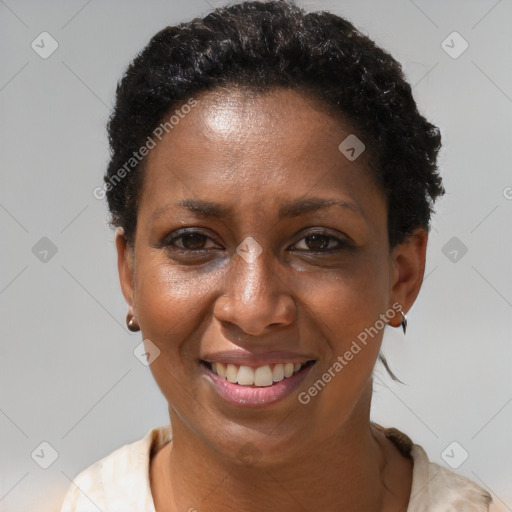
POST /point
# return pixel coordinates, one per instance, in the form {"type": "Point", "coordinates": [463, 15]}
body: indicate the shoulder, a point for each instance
{"type": "Point", "coordinates": [434, 487]}
{"type": "Point", "coordinates": [438, 487]}
{"type": "Point", "coordinates": [119, 479]}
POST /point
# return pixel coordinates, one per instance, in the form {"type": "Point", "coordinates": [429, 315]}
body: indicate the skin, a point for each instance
{"type": "Point", "coordinates": [252, 153]}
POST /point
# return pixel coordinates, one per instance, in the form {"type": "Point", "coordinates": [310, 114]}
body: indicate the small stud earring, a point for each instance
{"type": "Point", "coordinates": [132, 324]}
{"type": "Point", "coordinates": [404, 321]}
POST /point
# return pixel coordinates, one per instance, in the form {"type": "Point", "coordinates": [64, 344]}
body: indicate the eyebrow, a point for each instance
{"type": "Point", "coordinates": [288, 210]}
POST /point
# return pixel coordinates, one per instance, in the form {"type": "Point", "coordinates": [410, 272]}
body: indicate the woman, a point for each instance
{"type": "Point", "coordinates": [272, 183]}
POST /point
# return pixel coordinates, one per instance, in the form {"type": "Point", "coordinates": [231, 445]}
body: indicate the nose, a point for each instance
{"type": "Point", "coordinates": [255, 297]}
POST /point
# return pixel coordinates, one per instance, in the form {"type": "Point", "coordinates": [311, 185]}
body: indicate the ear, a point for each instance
{"type": "Point", "coordinates": [408, 270]}
{"type": "Point", "coordinates": [125, 267]}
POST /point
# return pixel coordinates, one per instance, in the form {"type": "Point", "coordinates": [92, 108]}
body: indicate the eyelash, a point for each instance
{"type": "Point", "coordinates": [342, 244]}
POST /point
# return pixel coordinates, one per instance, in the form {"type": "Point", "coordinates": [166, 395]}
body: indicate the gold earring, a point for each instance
{"type": "Point", "coordinates": [131, 323]}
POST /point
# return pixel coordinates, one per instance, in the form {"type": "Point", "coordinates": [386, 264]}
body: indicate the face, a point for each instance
{"type": "Point", "coordinates": [260, 245]}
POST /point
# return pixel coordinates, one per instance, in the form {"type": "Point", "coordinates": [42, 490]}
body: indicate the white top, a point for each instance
{"type": "Point", "coordinates": [120, 482]}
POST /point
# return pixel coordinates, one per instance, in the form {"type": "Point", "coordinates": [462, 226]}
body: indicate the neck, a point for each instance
{"type": "Point", "coordinates": [343, 472]}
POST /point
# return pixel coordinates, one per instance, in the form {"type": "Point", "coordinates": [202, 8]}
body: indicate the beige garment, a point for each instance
{"type": "Point", "coordinates": [120, 481]}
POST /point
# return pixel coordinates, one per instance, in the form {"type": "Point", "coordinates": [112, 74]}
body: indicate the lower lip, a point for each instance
{"type": "Point", "coordinates": [252, 396]}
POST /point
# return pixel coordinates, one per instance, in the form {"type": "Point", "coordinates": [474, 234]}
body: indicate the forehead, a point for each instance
{"type": "Point", "coordinates": [236, 144]}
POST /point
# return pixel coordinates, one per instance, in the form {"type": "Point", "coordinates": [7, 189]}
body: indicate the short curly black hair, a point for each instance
{"type": "Point", "coordinates": [265, 46]}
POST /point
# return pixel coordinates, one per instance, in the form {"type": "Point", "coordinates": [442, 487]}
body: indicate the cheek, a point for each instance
{"type": "Point", "coordinates": [348, 301]}
{"type": "Point", "coordinates": [171, 306]}
{"type": "Point", "coordinates": [348, 312]}
{"type": "Point", "coordinates": [172, 302]}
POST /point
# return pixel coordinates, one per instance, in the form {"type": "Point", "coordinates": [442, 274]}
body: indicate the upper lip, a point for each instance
{"type": "Point", "coordinates": [245, 358]}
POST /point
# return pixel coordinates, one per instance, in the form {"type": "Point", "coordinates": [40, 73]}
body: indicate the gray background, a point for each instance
{"type": "Point", "coordinates": [67, 370]}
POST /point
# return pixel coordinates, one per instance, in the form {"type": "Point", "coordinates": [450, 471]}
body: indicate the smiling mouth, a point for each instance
{"type": "Point", "coordinates": [261, 376]}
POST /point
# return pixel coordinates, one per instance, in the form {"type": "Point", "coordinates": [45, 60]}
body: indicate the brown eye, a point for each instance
{"type": "Point", "coordinates": [191, 241]}
{"type": "Point", "coordinates": [317, 242]}
{"type": "Point", "coordinates": [321, 243]}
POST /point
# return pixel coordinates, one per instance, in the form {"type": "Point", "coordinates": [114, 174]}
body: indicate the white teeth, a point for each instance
{"type": "Point", "coordinates": [245, 376]}
{"type": "Point", "coordinates": [278, 373]}
{"type": "Point", "coordinates": [220, 370]}
{"type": "Point", "coordinates": [288, 369]}
{"type": "Point", "coordinates": [231, 373]}
{"type": "Point", "coordinates": [262, 376]}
